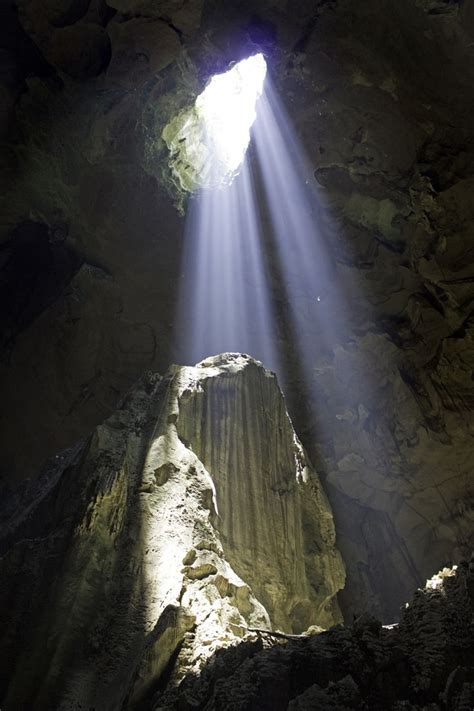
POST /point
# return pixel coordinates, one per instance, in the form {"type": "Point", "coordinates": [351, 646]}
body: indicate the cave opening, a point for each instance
{"type": "Point", "coordinates": [208, 141]}
{"type": "Point", "coordinates": [210, 520]}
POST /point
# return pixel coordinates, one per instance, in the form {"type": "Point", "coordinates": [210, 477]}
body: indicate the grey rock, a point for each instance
{"type": "Point", "coordinates": [117, 579]}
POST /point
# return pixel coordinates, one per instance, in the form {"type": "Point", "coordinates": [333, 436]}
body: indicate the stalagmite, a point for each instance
{"type": "Point", "coordinates": [191, 515]}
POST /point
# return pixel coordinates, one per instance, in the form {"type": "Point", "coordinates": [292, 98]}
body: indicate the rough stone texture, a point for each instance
{"type": "Point", "coordinates": [140, 48]}
{"type": "Point", "coordinates": [381, 94]}
{"type": "Point", "coordinates": [80, 49]}
{"type": "Point", "coordinates": [182, 15]}
{"type": "Point", "coordinates": [77, 335]}
{"type": "Point", "coordinates": [124, 567]}
{"type": "Point", "coordinates": [239, 429]}
{"type": "Point", "coordinates": [425, 662]}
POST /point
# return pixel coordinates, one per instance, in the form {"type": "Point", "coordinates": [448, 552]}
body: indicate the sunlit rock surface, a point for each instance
{"type": "Point", "coordinates": [381, 95]}
{"type": "Point", "coordinates": [141, 552]}
{"type": "Point", "coordinates": [274, 519]}
{"type": "Point", "coordinates": [426, 662]}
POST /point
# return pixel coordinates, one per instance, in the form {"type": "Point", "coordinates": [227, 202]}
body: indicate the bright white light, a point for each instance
{"type": "Point", "coordinates": [227, 108]}
{"type": "Point", "coordinates": [207, 141]}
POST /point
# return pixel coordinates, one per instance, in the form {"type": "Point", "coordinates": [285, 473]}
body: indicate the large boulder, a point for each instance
{"type": "Point", "coordinates": [189, 518]}
{"type": "Point", "coordinates": [425, 662]}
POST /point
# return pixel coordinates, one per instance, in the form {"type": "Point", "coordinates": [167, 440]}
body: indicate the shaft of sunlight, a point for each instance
{"type": "Point", "coordinates": [224, 301]}
{"type": "Point", "coordinates": [227, 107]}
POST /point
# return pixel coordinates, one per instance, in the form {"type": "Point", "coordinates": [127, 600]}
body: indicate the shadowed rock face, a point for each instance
{"type": "Point", "coordinates": [425, 662]}
{"type": "Point", "coordinates": [135, 556]}
{"type": "Point", "coordinates": [381, 94]}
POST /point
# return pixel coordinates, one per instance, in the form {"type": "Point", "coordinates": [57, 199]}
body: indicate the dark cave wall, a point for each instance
{"type": "Point", "coordinates": [381, 95]}
{"type": "Point", "coordinates": [120, 566]}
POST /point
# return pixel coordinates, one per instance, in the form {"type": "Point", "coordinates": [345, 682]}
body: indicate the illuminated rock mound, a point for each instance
{"type": "Point", "coordinates": [95, 101]}
{"type": "Point", "coordinates": [424, 663]}
{"type": "Point", "coordinates": [190, 515]}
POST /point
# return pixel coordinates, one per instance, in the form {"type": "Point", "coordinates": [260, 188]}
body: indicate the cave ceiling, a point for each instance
{"type": "Point", "coordinates": [381, 95]}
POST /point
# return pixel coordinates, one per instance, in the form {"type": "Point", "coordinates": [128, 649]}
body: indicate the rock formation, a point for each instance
{"type": "Point", "coordinates": [425, 662]}
{"type": "Point", "coordinates": [381, 95]}
{"type": "Point", "coordinates": [191, 515]}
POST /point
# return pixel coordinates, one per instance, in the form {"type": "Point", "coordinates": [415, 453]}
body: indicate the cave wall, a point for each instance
{"type": "Point", "coordinates": [118, 566]}
{"type": "Point", "coordinates": [381, 96]}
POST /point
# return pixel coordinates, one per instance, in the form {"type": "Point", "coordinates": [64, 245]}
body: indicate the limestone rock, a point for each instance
{"type": "Point", "coordinates": [426, 662]}
{"type": "Point", "coordinates": [80, 327]}
{"type": "Point", "coordinates": [385, 121]}
{"type": "Point", "coordinates": [274, 518]}
{"type": "Point", "coordinates": [132, 555]}
{"type": "Point", "coordinates": [58, 13]}
{"type": "Point", "coordinates": [140, 48]}
{"type": "Point", "coordinates": [80, 49]}
{"type": "Point", "coordinates": [185, 15]}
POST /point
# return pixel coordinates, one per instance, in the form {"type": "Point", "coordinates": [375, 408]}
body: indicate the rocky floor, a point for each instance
{"type": "Point", "coordinates": [425, 663]}
{"type": "Point", "coordinates": [155, 566]}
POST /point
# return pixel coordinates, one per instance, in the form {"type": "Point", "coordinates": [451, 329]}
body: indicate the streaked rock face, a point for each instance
{"type": "Point", "coordinates": [162, 539]}
{"type": "Point", "coordinates": [381, 95]}
{"type": "Point", "coordinates": [273, 516]}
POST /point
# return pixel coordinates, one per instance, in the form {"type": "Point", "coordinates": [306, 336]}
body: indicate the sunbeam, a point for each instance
{"type": "Point", "coordinates": [292, 206]}
{"type": "Point", "coordinates": [224, 303]}
{"type": "Point", "coordinates": [267, 220]}
{"type": "Point", "coordinates": [227, 108]}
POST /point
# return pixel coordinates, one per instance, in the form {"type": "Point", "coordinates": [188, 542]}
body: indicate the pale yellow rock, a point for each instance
{"type": "Point", "coordinates": [190, 516]}
{"type": "Point", "coordinates": [273, 516]}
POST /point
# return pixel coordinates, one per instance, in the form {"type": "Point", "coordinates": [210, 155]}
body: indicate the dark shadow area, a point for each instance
{"type": "Point", "coordinates": [34, 271]}
{"type": "Point", "coordinates": [73, 590]}
{"type": "Point", "coordinates": [386, 120]}
{"type": "Point", "coordinates": [365, 666]}
{"type": "Point", "coordinates": [20, 47]}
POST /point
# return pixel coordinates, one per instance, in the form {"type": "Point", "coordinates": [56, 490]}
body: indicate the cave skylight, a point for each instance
{"type": "Point", "coordinates": [208, 141]}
